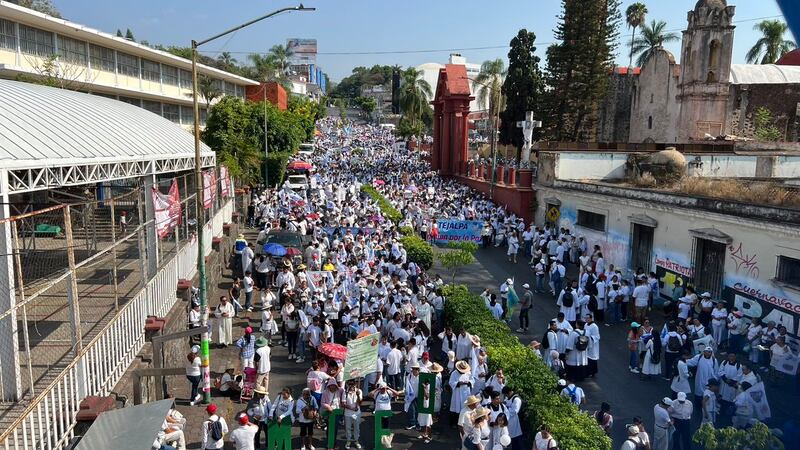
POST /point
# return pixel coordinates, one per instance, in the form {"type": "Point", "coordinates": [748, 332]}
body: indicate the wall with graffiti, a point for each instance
{"type": "Point", "coordinates": [750, 256]}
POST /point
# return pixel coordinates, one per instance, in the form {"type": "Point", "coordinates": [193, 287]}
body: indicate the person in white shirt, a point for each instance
{"type": "Point", "coordinates": [262, 362]}
{"type": "Point", "coordinates": [710, 408]}
{"type": "Point", "coordinates": [224, 315]}
{"type": "Point", "coordinates": [661, 424]}
{"type": "Point", "coordinates": [681, 413]}
{"type": "Point", "coordinates": [243, 438]}
{"type": "Point", "coordinates": [641, 297]}
{"type": "Point", "coordinates": [193, 373]}
{"type": "Point", "coordinates": [207, 442]}
{"type": "Point", "coordinates": [574, 394]}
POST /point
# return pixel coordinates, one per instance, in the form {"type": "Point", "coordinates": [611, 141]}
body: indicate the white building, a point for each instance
{"type": "Point", "coordinates": [100, 63]}
{"type": "Point", "coordinates": [430, 73]}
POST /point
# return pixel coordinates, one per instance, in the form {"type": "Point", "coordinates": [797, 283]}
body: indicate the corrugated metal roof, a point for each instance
{"type": "Point", "coordinates": [41, 126]}
{"type": "Point", "coordinates": [764, 74]}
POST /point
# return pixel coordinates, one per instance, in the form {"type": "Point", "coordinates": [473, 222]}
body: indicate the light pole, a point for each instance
{"type": "Point", "coordinates": [198, 182]}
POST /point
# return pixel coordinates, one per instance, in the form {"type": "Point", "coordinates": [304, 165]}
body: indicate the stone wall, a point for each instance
{"type": "Point", "coordinates": [781, 99]}
{"type": "Point", "coordinates": [613, 122]}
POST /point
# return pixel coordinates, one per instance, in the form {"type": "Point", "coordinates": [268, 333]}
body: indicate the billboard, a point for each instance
{"type": "Point", "coordinates": [304, 51]}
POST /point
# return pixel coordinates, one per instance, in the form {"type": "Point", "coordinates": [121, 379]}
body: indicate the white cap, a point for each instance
{"type": "Point", "coordinates": [526, 286]}
{"type": "Point", "coordinates": [706, 294]}
{"type": "Point", "coordinates": [667, 401]}
{"type": "Point", "coordinates": [509, 281]}
{"type": "Point", "coordinates": [681, 396]}
{"type": "Point", "coordinates": [195, 349]}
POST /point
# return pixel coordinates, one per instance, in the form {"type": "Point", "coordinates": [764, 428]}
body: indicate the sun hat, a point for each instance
{"type": "Point", "coordinates": [632, 429]}
{"type": "Point", "coordinates": [463, 367]}
{"type": "Point", "coordinates": [415, 366]}
{"type": "Point", "coordinates": [261, 390]}
{"type": "Point", "coordinates": [480, 412]}
{"type": "Point", "coordinates": [476, 340]}
{"type": "Point", "coordinates": [535, 344]}
{"type": "Point", "coordinates": [262, 342]}
{"type": "Point", "coordinates": [472, 400]}
{"type": "Point", "coordinates": [436, 368]}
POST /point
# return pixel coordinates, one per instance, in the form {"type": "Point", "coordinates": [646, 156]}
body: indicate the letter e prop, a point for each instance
{"type": "Point", "coordinates": [332, 426]}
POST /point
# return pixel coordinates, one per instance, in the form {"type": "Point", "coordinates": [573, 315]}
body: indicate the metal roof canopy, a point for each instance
{"type": "Point", "coordinates": [52, 137]}
{"type": "Point", "coordinates": [134, 427]}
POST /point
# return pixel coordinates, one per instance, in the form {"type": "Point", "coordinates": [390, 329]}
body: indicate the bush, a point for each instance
{"type": "Point", "coordinates": [526, 374]}
{"type": "Point", "coordinates": [406, 231]}
{"type": "Point", "coordinates": [757, 437]}
{"type": "Point", "coordinates": [388, 211]}
{"type": "Point", "coordinates": [276, 167]}
{"type": "Point", "coordinates": [418, 251]}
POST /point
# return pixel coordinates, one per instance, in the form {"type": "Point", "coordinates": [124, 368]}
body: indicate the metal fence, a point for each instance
{"type": "Point", "coordinates": [83, 290]}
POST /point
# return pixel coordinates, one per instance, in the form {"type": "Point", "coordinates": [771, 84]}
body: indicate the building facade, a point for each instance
{"type": "Point", "coordinates": [34, 45]}
{"type": "Point", "coordinates": [746, 254]}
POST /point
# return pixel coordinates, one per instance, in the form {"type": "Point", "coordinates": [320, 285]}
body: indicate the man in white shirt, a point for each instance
{"type": "Point", "coordinates": [244, 436]}
{"type": "Point", "coordinates": [208, 443]}
{"type": "Point", "coordinates": [263, 363]}
{"type": "Point", "coordinates": [574, 394]}
{"type": "Point", "coordinates": [394, 361]}
{"type": "Point", "coordinates": [641, 297]}
{"type": "Point", "coordinates": [661, 424]}
{"type": "Point", "coordinates": [681, 413]}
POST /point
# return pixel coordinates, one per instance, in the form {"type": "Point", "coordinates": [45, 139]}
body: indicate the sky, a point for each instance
{"type": "Point", "coordinates": [353, 33]}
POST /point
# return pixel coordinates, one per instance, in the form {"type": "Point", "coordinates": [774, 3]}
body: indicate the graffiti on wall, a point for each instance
{"type": "Point", "coordinates": [764, 301]}
{"type": "Point", "coordinates": [615, 246]}
{"type": "Point", "coordinates": [746, 264]}
{"type": "Point", "coordinates": [670, 269]}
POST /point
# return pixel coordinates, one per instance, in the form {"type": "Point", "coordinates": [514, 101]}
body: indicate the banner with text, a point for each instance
{"type": "Point", "coordinates": [459, 230]}
{"type": "Point", "coordinates": [167, 209]}
{"type": "Point", "coordinates": [209, 188]}
{"type": "Point", "coordinates": [362, 357]}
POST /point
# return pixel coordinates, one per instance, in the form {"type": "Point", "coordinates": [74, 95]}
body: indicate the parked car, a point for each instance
{"type": "Point", "coordinates": [290, 240]}
{"type": "Point", "coordinates": [298, 183]}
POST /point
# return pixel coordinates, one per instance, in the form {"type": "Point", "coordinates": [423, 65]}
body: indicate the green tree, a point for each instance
{"type": "Point", "coordinates": [208, 89]}
{"type": "Point", "coordinates": [280, 56]}
{"type": "Point", "coordinates": [459, 255]}
{"type": "Point", "coordinates": [351, 85]}
{"type": "Point", "coordinates": [129, 35]}
{"type": "Point", "coordinates": [415, 93]}
{"type": "Point", "coordinates": [771, 44]}
{"type": "Point", "coordinates": [119, 33]}
{"type": "Point", "coordinates": [522, 88]}
{"type": "Point", "coordinates": [634, 17]}
{"type": "Point", "coordinates": [578, 67]}
{"type": "Point", "coordinates": [366, 104]}
{"type": "Point", "coordinates": [42, 6]}
{"type": "Point", "coordinates": [407, 128]}
{"type": "Point", "coordinates": [757, 437]}
{"type": "Point", "coordinates": [652, 38]}
{"type": "Point", "coordinates": [226, 61]}
{"type": "Point", "coordinates": [765, 128]}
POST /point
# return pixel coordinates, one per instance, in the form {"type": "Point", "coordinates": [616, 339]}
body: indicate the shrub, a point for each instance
{"type": "Point", "coordinates": [418, 251]}
{"type": "Point", "coordinates": [526, 374]}
{"type": "Point", "coordinates": [757, 437]}
{"type": "Point", "coordinates": [406, 231]}
{"type": "Point", "coordinates": [276, 167]}
{"type": "Point", "coordinates": [387, 210]}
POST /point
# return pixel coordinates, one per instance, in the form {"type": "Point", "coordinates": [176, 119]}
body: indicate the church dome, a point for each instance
{"type": "Point", "coordinates": [710, 4]}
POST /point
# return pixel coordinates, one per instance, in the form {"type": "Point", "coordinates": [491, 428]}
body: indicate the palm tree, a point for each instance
{"type": "Point", "coordinates": [208, 89]}
{"type": "Point", "coordinates": [771, 44]}
{"type": "Point", "coordinates": [489, 83]}
{"type": "Point", "coordinates": [226, 61]}
{"type": "Point", "coordinates": [414, 94]}
{"type": "Point", "coordinates": [651, 38]}
{"type": "Point", "coordinates": [634, 16]}
{"type": "Point", "coordinates": [263, 66]}
{"type": "Point", "coordinates": [280, 56]}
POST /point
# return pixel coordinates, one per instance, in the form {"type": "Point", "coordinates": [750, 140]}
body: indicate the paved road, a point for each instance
{"type": "Point", "coordinates": [615, 384]}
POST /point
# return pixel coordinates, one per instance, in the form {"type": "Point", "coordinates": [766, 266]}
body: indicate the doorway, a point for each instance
{"type": "Point", "coordinates": [641, 246]}
{"type": "Point", "coordinates": [709, 266]}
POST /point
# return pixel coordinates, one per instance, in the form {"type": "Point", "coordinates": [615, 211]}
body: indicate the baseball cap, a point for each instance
{"type": "Point", "coordinates": [526, 286]}
{"type": "Point", "coordinates": [667, 401]}
{"type": "Point", "coordinates": [243, 420]}
{"type": "Point", "coordinates": [211, 409]}
{"type": "Point", "coordinates": [681, 396]}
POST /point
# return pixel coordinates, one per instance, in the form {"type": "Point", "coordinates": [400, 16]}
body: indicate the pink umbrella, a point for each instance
{"type": "Point", "coordinates": [335, 351]}
{"type": "Point", "coordinates": [379, 182]}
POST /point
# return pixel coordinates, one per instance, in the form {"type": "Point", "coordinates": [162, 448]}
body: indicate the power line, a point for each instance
{"type": "Point", "coordinates": [442, 50]}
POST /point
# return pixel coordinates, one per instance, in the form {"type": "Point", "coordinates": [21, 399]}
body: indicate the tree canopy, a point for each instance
{"type": "Point", "coordinates": [771, 45]}
{"type": "Point", "coordinates": [350, 86]}
{"type": "Point", "coordinates": [522, 87]}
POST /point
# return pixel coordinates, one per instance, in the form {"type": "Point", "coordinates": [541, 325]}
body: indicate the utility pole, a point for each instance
{"type": "Point", "coordinates": [198, 181]}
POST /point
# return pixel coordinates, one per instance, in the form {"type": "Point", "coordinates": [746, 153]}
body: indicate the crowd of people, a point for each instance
{"type": "Point", "coordinates": [352, 276]}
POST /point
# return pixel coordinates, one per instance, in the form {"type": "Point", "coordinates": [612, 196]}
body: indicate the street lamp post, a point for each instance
{"type": "Point", "coordinates": [198, 181]}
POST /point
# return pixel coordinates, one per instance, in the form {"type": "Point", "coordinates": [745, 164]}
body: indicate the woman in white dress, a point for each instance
{"type": "Point", "coordinates": [652, 356]}
{"type": "Point", "coordinates": [224, 315]}
{"type": "Point", "coordinates": [513, 246]}
{"type": "Point", "coordinates": [500, 433]}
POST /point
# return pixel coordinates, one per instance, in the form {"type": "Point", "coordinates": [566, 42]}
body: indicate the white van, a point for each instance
{"type": "Point", "coordinates": [307, 149]}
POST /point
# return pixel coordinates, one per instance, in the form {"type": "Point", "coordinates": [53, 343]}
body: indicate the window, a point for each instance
{"type": "Point", "coordinates": [203, 116]}
{"type": "Point", "coordinates": [34, 41]}
{"type": "Point", "coordinates": [153, 107]}
{"type": "Point", "coordinates": [127, 65]}
{"type": "Point", "coordinates": [713, 54]}
{"type": "Point", "coordinates": [650, 123]}
{"type": "Point", "coordinates": [230, 89]}
{"type": "Point", "coordinates": [8, 35]}
{"type": "Point", "coordinates": [591, 220]}
{"type": "Point", "coordinates": [788, 271]}
{"type": "Point", "coordinates": [186, 79]}
{"type": "Point", "coordinates": [711, 78]}
{"type": "Point", "coordinates": [171, 112]}
{"type": "Point", "coordinates": [151, 71]}
{"type": "Point", "coordinates": [218, 85]}
{"type": "Point", "coordinates": [169, 75]}
{"type": "Point", "coordinates": [101, 58]}
{"type": "Point", "coordinates": [187, 115]}
{"type": "Point", "coordinates": [651, 98]}
{"type": "Point", "coordinates": [131, 100]}
{"type": "Point", "coordinates": [240, 91]}
{"type": "Point", "coordinates": [72, 50]}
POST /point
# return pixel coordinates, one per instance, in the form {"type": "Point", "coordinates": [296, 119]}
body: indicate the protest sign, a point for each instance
{"type": "Point", "coordinates": [362, 357]}
{"type": "Point", "coordinates": [459, 230]}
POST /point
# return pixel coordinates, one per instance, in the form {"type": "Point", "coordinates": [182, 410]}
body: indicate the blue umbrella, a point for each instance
{"type": "Point", "coordinates": [275, 249]}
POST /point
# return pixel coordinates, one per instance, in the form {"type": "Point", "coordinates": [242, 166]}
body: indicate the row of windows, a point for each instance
{"type": "Point", "coordinates": [788, 269]}
{"type": "Point", "coordinates": [176, 113]}
{"type": "Point", "coordinates": [38, 42]}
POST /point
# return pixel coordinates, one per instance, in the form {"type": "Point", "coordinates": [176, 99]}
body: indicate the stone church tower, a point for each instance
{"type": "Point", "coordinates": [704, 87]}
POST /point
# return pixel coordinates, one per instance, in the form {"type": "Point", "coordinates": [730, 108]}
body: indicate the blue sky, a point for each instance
{"type": "Point", "coordinates": [347, 26]}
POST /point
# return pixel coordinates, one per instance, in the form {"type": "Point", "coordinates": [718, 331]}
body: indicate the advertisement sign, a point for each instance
{"type": "Point", "coordinates": [362, 357]}
{"type": "Point", "coordinates": [302, 51]}
{"type": "Point", "coordinates": [167, 210]}
{"type": "Point", "coordinates": [459, 230]}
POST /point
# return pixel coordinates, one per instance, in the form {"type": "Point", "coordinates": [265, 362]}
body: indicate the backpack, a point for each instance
{"type": "Point", "coordinates": [567, 299]}
{"type": "Point", "coordinates": [636, 444]}
{"type": "Point", "coordinates": [674, 344]}
{"type": "Point", "coordinates": [582, 343]}
{"type": "Point", "coordinates": [215, 430]}
{"type": "Point", "coordinates": [592, 303]}
{"type": "Point", "coordinates": [555, 276]}
{"type": "Point", "coordinates": [573, 396]}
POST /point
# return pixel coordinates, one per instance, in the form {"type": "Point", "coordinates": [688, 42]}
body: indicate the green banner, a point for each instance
{"type": "Point", "coordinates": [362, 357]}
